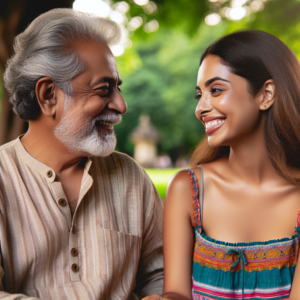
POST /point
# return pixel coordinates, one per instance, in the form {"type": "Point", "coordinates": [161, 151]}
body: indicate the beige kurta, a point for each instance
{"type": "Point", "coordinates": [111, 249]}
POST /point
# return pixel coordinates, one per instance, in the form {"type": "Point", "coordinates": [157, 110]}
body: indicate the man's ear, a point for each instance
{"type": "Point", "coordinates": [267, 95]}
{"type": "Point", "coordinates": [45, 92]}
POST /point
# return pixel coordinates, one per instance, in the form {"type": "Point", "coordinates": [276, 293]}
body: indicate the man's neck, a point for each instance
{"type": "Point", "coordinates": [46, 148]}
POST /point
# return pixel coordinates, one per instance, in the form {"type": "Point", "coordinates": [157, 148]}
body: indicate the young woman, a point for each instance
{"type": "Point", "coordinates": [231, 223]}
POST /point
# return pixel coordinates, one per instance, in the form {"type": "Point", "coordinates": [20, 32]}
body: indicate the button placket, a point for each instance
{"type": "Point", "coordinates": [61, 201]}
{"type": "Point", "coordinates": [74, 255]}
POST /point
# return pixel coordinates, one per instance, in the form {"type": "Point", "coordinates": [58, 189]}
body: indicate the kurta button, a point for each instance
{"type": "Point", "coordinates": [49, 173]}
{"type": "Point", "coordinates": [74, 268]}
{"type": "Point", "coordinates": [62, 202]}
{"type": "Point", "coordinates": [74, 252]}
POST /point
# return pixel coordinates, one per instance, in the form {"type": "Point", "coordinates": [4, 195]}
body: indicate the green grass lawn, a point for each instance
{"type": "Point", "coordinates": [160, 178]}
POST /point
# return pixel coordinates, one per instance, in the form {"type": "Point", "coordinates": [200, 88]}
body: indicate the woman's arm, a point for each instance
{"type": "Point", "coordinates": [178, 240]}
{"type": "Point", "coordinates": [295, 292]}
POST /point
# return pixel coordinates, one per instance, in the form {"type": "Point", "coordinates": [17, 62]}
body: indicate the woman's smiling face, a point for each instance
{"type": "Point", "coordinates": [226, 108]}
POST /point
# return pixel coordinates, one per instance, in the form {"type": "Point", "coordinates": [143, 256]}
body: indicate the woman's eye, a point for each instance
{"type": "Point", "coordinates": [198, 96]}
{"type": "Point", "coordinates": [216, 91]}
{"type": "Point", "coordinates": [119, 89]}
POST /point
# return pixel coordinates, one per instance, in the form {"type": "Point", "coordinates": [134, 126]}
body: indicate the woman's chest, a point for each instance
{"type": "Point", "coordinates": [247, 214]}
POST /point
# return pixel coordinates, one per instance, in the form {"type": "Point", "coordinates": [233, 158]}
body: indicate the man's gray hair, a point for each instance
{"type": "Point", "coordinates": [44, 50]}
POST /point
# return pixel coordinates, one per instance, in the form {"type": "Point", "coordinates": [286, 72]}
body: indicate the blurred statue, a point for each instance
{"type": "Point", "coordinates": [145, 138]}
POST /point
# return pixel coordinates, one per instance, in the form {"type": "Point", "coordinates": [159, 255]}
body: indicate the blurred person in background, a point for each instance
{"type": "Point", "coordinates": [77, 220]}
{"type": "Point", "coordinates": [229, 222]}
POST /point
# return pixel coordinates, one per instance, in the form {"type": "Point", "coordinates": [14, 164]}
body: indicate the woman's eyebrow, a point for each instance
{"type": "Point", "coordinates": [208, 82]}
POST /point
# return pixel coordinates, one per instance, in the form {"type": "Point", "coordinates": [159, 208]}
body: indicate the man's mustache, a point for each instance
{"type": "Point", "coordinates": [108, 117]}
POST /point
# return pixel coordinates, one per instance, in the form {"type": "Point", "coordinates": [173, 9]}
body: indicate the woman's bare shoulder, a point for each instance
{"type": "Point", "coordinates": [218, 166]}
{"type": "Point", "coordinates": [179, 193]}
{"type": "Point", "coordinates": [179, 185]}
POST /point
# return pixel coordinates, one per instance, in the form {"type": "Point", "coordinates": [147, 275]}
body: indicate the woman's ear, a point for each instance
{"type": "Point", "coordinates": [45, 93]}
{"type": "Point", "coordinates": [267, 95]}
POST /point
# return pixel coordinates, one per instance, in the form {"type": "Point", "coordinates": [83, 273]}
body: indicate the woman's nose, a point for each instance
{"type": "Point", "coordinates": [203, 105]}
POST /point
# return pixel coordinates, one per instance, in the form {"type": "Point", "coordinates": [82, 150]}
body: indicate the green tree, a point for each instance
{"type": "Point", "coordinates": [15, 15]}
{"type": "Point", "coordinates": [160, 70]}
{"type": "Point", "coordinates": [159, 75]}
{"type": "Point", "coordinates": [161, 83]}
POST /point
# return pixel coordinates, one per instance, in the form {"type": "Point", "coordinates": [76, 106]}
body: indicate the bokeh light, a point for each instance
{"type": "Point", "coordinates": [236, 3]}
{"type": "Point", "coordinates": [213, 19]}
{"type": "Point", "coordinates": [122, 7]}
{"type": "Point", "coordinates": [135, 23]}
{"type": "Point", "coordinates": [237, 13]}
{"type": "Point", "coordinates": [99, 8]}
{"type": "Point", "coordinates": [117, 17]}
{"type": "Point", "coordinates": [150, 8]}
{"type": "Point", "coordinates": [235, 10]}
{"type": "Point", "coordinates": [151, 26]}
{"type": "Point", "coordinates": [141, 2]}
{"type": "Point", "coordinates": [117, 50]}
{"type": "Point", "coordinates": [256, 6]}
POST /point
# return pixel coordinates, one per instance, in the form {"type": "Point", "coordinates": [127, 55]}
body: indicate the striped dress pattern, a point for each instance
{"type": "Point", "coordinates": [258, 270]}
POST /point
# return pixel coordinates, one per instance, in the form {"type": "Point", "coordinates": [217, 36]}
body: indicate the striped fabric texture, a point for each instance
{"type": "Point", "coordinates": [258, 270]}
{"type": "Point", "coordinates": [110, 249]}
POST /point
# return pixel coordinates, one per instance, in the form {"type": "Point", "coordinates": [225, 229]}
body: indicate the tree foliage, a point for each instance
{"type": "Point", "coordinates": [159, 73]}
{"type": "Point", "coordinates": [161, 82]}
{"type": "Point", "coordinates": [160, 70]}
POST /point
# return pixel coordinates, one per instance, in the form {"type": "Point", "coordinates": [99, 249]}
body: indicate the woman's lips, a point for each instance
{"type": "Point", "coordinates": [213, 125]}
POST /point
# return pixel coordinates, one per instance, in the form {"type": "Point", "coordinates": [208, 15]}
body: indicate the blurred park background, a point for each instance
{"type": "Point", "coordinates": [158, 59]}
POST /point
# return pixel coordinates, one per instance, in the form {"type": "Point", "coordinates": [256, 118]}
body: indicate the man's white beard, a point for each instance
{"type": "Point", "coordinates": [83, 137]}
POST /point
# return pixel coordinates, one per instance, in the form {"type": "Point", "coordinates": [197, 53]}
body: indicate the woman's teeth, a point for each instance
{"type": "Point", "coordinates": [213, 123]}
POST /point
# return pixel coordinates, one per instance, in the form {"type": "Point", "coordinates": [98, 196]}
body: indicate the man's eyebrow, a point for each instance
{"type": "Point", "coordinates": [111, 80]}
{"type": "Point", "coordinates": [210, 81]}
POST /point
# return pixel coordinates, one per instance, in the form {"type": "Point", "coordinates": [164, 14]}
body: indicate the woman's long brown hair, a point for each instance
{"type": "Point", "coordinates": [258, 56]}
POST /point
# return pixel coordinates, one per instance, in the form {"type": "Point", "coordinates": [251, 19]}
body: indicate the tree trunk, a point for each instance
{"type": "Point", "coordinates": [15, 15]}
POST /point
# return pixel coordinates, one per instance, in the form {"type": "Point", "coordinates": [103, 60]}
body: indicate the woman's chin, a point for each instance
{"type": "Point", "coordinates": [214, 143]}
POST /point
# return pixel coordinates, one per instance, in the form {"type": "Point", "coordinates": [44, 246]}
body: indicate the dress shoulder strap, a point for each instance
{"type": "Point", "coordinates": [201, 193]}
{"type": "Point", "coordinates": [197, 205]}
{"type": "Point", "coordinates": [298, 220]}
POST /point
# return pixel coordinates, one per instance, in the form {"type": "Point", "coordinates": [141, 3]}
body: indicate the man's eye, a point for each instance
{"type": "Point", "coordinates": [103, 91]}
{"type": "Point", "coordinates": [119, 89]}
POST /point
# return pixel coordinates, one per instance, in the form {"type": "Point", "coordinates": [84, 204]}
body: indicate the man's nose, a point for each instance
{"type": "Point", "coordinates": [118, 103]}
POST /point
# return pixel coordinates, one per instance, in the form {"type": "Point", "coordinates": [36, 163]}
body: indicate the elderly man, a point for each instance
{"type": "Point", "coordinates": [77, 220]}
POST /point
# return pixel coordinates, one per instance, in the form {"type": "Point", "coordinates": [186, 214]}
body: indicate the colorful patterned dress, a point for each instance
{"type": "Point", "coordinates": [258, 270]}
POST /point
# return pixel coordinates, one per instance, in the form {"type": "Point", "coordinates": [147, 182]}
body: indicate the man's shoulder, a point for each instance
{"type": "Point", "coordinates": [7, 152]}
{"type": "Point", "coordinates": [8, 147]}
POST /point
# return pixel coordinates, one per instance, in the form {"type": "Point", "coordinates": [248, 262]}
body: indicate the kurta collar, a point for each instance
{"type": "Point", "coordinates": [45, 171]}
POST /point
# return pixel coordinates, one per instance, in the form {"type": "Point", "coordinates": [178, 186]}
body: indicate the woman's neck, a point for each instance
{"type": "Point", "coordinates": [249, 159]}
